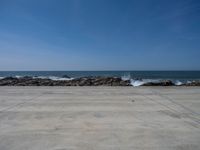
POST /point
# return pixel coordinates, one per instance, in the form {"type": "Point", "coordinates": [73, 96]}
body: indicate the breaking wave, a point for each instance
{"type": "Point", "coordinates": [126, 77]}
{"type": "Point", "coordinates": [2, 78]}
{"type": "Point", "coordinates": [139, 82]}
{"type": "Point", "coordinates": [177, 82]}
{"type": "Point", "coordinates": [54, 78]}
{"type": "Point", "coordinates": [59, 78]}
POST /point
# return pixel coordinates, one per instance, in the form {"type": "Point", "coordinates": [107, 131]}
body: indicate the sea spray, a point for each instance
{"type": "Point", "coordinates": [126, 76]}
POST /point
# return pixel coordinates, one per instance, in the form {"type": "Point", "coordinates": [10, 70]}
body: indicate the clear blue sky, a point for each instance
{"type": "Point", "coordinates": [99, 34]}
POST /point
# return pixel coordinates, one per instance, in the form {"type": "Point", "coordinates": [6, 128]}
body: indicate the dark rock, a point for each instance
{"type": "Point", "coordinates": [161, 83]}
{"type": "Point", "coordinates": [125, 83]}
{"type": "Point", "coordinates": [83, 81]}
{"type": "Point", "coordinates": [26, 77]}
{"type": "Point", "coordinates": [10, 78]}
{"type": "Point", "coordinates": [193, 83]}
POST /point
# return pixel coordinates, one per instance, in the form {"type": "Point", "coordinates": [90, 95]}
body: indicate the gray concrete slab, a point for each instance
{"type": "Point", "coordinates": [99, 118]}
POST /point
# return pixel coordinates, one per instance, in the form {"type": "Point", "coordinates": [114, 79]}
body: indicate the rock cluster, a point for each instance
{"type": "Point", "coordinates": [170, 83]}
{"type": "Point", "coordinates": [161, 83]}
{"type": "Point", "coordinates": [193, 83]}
{"type": "Point", "coordinates": [84, 81]}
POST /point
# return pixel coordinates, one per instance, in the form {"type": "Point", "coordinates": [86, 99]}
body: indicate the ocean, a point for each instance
{"type": "Point", "coordinates": [137, 77]}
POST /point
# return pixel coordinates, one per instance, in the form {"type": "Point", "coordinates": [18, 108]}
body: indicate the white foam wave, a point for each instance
{"type": "Point", "coordinates": [40, 77]}
{"type": "Point", "coordinates": [47, 77]}
{"type": "Point", "coordinates": [54, 78]}
{"type": "Point", "coordinates": [126, 77]}
{"type": "Point", "coordinates": [59, 79]}
{"type": "Point", "coordinates": [2, 78]}
{"type": "Point", "coordinates": [136, 82]}
{"type": "Point", "coordinates": [18, 77]}
{"type": "Point", "coordinates": [178, 83]}
{"type": "Point", "coordinates": [143, 81]}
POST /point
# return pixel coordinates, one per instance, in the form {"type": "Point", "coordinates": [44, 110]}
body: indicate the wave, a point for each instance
{"type": "Point", "coordinates": [137, 82]}
{"type": "Point", "coordinates": [178, 83]}
{"type": "Point", "coordinates": [140, 82]}
{"type": "Point", "coordinates": [54, 78]}
{"type": "Point", "coordinates": [59, 78]}
{"type": "Point", "coordinates": [126, 77]}
{"type": "Point", "coordinates": [2, 78]}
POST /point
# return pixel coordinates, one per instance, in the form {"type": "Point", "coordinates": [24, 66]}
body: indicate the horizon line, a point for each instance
{"type": "Point", "coordinates": [84, 70]}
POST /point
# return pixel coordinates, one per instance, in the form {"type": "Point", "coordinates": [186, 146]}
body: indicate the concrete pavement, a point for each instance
{"type": "Point", "coordinates": [99, 118]}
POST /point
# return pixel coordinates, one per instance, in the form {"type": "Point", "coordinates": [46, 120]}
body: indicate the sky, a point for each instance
{"type": "Point", "coordinates": [99, 35]}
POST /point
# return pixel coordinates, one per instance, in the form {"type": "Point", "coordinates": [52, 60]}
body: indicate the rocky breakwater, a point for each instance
{"type": "Point", "coordinates": [160, 83]}
{"type": "Point", "coordinates": [193, 83]}
{"type": "Point", "coordinates": [84, 81]}
{"type": "Point", "coordinates": [170, 83]}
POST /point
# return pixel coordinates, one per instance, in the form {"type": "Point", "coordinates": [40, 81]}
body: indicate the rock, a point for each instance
{"type": "Point", "coordinates": [125, 83]}
{"type": "Point", "coordinates": [83, 81]}
{"type": "Point", "coordinates": [193, 83]}
{"type": "Point", "coordinates": [10, 78]}
{"type": "Point", "coordinates": [161, 83]}
{"type": "Point", "coordinates": [27, 77]}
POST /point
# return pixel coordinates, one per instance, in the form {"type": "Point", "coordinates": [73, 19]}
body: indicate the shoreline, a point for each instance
{"type": "Point", "coordinates": [89, 81]}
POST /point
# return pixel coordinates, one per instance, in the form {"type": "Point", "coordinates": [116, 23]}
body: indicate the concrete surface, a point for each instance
{"type": "Point", "coordinates": [99, 118]}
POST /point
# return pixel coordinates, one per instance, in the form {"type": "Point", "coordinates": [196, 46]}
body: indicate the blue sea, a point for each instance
{"type": "Point", "coordinates": [137, 77]}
